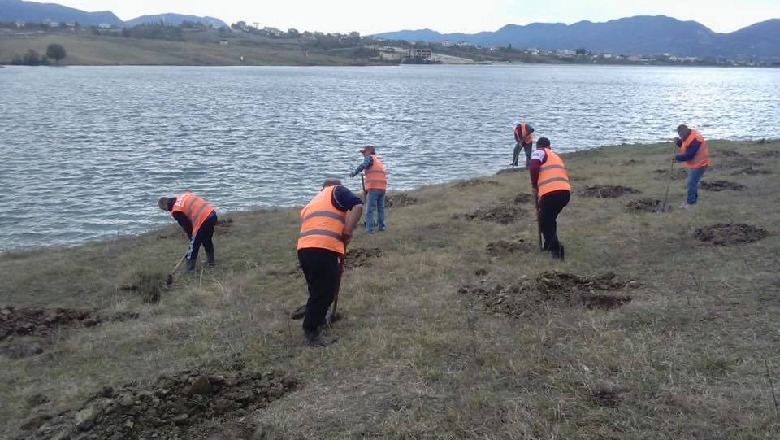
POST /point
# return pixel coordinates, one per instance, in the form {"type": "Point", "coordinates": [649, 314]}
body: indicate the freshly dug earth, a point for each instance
{"type": "Point", "coordinates": [550, 288]}
{"type": "Point", "coordinates": [503, 248]}
{"type": "Point", "coordinates": [523, 198]}
{"type": "Point", "coordinates": [361, 257]}
{"type": "Point", "coordinates": [398, 200]}
{"type": "Point", "coordinates": [677, 174]}
{"type": "Point", "coordinates": [721, 185]}
{"type": "Point", "coordinates": [644, 204]}
{"type": "Point", "coordinates": [503, 214]}
{"type": "Point", "coordinates": [725, 234]}
{"type": "Point", "coordinates": [42, 322]}
{"type": "Point", "coordinates": [474, 182]}
{"type": "Point", "coordinates": [607, 191]}
{"type": "Point", "coordinates": [510, 170]}
{"type": "Point", "coordinates": [176, 407]}
{"type": "Point", "coordinates": [750, 171]}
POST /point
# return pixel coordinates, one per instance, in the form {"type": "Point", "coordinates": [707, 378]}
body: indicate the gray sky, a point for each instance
{"type": "Point", "coordinates": [468, 16]}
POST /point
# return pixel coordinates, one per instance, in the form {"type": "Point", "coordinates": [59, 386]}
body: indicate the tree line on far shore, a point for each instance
{"type": "Point", "coordinates": [54, 52]}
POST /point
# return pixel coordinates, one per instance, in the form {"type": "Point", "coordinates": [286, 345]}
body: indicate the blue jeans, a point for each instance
{"type": "Point", "coordinates": [375, 199]}
{"type": "Point", "coordinates": [694, 176]}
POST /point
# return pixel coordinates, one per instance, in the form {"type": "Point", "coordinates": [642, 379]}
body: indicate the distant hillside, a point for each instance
{"type": "Point", "coordinates": [32, 12]}
{"type": "Point", "coordinates": [175, 20]}
{"type": "Point", "coordinates": [633, 35]}
{"type": "Point", "coordinates": [12, 10]}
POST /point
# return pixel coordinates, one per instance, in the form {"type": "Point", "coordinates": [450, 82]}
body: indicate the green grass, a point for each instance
{"type": "Point", "coordinates": [416, 359]}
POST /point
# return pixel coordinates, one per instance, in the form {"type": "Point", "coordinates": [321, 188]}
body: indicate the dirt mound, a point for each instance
{"type": "Point", "coordinates": [398, 200]}
{"type": "Point", "coordinates": [42, 322]}
{"type": "Point", "coordinates": [677, 174]}
{"type": "Point", "coordinates": [630, 162]}
{"type": "Point", "coordinates": [606, 398]}
{"type": "Point", "coordinates": [607, 191]}
{"type": "Point", "coordinates": [750, 171]}
{"type": "Point", "coordinates": [557, 288]}
{"type": "Point", "coordinates": [510, 170]}
{"type": "Point", "coordinates": [644, 204]}
{"type": "Point", "coordinates": [176, 407]}
{"type": "Point", "coordinates": [523, 198]}
{"type": "Point", "coordinates": [224, 226]}
{"type": "Point", "coordinates": [725, 234]}
{"type": "Point", "coordinates": [474, 182]}
{"type": "Point", "coordinates": [730, 153]}
{"type": "Point", "coordinates": [504, 214]}
{"type": "Point", "coordinates": [502, 248]}
{"type": "Point", "coordinates": [720, 185]}
{"type": "Point", "coordinates": [361, 257]}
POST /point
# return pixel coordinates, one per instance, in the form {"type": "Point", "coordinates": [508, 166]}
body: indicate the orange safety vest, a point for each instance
{"type": "Point", "coordinates": [702, 157]}
{"type": "Point", "coordinates": [527, 138]}
{"type": "Point", "coordinates": [553, 175]}
{"type": "Point", "coordinates": [376, 177]}
{"type": "Point", "coordinates": [322, 224]}
{"type": "Point", "coordinates": [195, 208]}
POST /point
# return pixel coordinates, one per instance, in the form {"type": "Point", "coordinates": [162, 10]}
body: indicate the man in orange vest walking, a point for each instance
{"type": "Point", "coordinates": [198, 219]}
{"type": "Point", "coordinates": [694, 152]}
{"type": "Point", "coordinates": [375, 187]}
{"type": "Point", "coordinates": [524, 139]}
{"type": "Point", "coordinates": [327, 223]}
{"type": "Point", "coordinates": [552, 190]}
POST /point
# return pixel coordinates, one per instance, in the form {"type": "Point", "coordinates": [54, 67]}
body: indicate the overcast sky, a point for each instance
{"type": "Point", "coordinates": [468, 16]}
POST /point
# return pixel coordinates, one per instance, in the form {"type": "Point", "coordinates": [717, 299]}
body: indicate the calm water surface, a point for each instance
{"type": "Point", "coordinates": [86, 151]}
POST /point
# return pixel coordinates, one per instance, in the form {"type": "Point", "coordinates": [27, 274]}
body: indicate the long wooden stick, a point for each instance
{"type": "Point", "coordinates": [338, 286]}
{"type": "Point", "coordinates": [772, 387]}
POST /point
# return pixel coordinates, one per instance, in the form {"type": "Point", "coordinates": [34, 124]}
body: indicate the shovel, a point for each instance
{"type": "Point", "coordinates": [662, 207]}
{"type": "Point", "coordinates": [169, 278]}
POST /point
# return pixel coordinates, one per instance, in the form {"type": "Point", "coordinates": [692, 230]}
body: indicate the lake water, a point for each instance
{"type": "Point", "coordinates": [86, 151]}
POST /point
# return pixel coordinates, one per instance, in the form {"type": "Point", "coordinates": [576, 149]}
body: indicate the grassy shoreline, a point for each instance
{"type": "Point", "coordinates": [455, 327]}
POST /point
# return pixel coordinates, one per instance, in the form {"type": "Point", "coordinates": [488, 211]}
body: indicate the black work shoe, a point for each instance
{"type": "Point", "coordinates": [298, 313]}
{"type": "Point", "coordinates": [189, 265]}
{"type": "Point", "coordinates": [210, 260]}
{"type": "Point", "coordinates": [319, 340]}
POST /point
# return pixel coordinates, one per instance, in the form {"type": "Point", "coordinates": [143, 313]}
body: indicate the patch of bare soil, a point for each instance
{"type": "Point", "coordinates": [677, 174]}
{"type": "Point", "coordinates": [630, 162]}
{"type": "Point", "coordinates": [361, 257]}
{"type": "Point", "coordinates": [474, 182]}
{"type": "Point", "coordinates": [603, 292]}
{"type": "Point", "coordinates": [503, 214]}
{"type": "Point", "coordinates": [503, 248]}
{"type": "Point", "coordinates": [606, 398]}
{"type": "Point", "coordinates": [644, 204]}
{"type": "Point", "coordinates": [720, 185]}
{"type": "Point", "coordinates": [725, 234]}
{"type": "Point", "coordinates": [730, 153]}
{"type": "Point", "coordinates": [400, 199]}
{"type": "Point", "coordinates": [751, 170]}
{"type": "Point", "coordinates": [523, 198]}
{"type": "Point", "coordinates": [224, 226]}
{"type": "Point", "coordinates": [42, 322]}
{"type": "Point", "coordinates": [607, 191]}
{"type": "Point", "coordinates": [188, 405]}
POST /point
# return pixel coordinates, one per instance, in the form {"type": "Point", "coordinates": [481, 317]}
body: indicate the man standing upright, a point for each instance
{"type": "Point", "coordinates": [524, 139]}
{"type": "Point", "coordinates": [552, 190]}
{"type": "Point", "coordinates": [694, 152]}
{"type": "Point", "coordinates": [327, 222]}
{"type": "Point", "coordinates": [198, 219]}
{"type": "Point", "coordinates": [375, 187]}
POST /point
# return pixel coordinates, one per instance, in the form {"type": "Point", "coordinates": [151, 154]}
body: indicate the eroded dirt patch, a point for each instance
{"type": "Point", "coordinates": [720, 185]}
{"type": "Point", "coordinates": [504, 248]}
{"type": "Point", "coordinates": [503, 214]}
{"type": "Point", "coordinates": [474, 182]}
{"type": "Point", "coordinates": [400, 199]}
{"type": "Point", "coordinates": [181, 406]}
{"type": "Point", "coordinates": [361, 257]}
{"type": "Point", "coordinates": [751, 170]}
{"type": "Point", "coordinates": [677, 174]}
{"type": "Point", "coordinates": [42, 322]}
{"type": "Point", "coordinates": [606, 398]}
{"type": "Point", "coordinates": [725, 234]}
{"type": "Point", "coordinates": [645, 204]}
{"type": "Point", "coordinates": [607, 191]}
{"type": "Point", "coordinates": [553, 288]}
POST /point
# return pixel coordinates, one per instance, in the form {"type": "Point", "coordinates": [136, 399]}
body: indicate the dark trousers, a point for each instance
{"type": "Point", "coordinates": [203, 237]}
{"type": "Point", "coordinates": [516, 154]}
{"type": "Point", "coordinates": [550, 205]}
{"type": "Point", "coordinates": [321, 269]}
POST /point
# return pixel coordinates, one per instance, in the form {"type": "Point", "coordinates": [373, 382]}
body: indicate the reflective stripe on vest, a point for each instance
{"type": "Point", "coordinates": [553, 175]}
{"type": "Point", "coordinates": [527, 138]}
{"type": "Point", "coordinates": [322, 224]}
{"type": "Point", "coordinates": [376, 178]}
{"type": "Point", "coordinates": [195, 208]}
{"type": "Point", "coordinates": [702, 157]}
